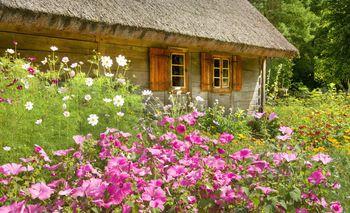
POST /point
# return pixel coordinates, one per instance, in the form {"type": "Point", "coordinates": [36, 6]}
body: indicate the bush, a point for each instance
{"type": "Point", "coordinates": [179, 170]}
{"type": "Point", "coordinates": [47, 108]}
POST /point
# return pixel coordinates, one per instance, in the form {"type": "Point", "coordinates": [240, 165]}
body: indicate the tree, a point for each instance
{"type": "Point", "coordinates": [333, 42]}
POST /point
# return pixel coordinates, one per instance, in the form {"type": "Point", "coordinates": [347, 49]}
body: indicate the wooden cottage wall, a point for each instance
{"type": "Point", "coordinates": [79, 47]}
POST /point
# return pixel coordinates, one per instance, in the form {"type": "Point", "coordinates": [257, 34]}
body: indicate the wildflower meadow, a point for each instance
{"type": "Point", "coordinates": [89, 140]}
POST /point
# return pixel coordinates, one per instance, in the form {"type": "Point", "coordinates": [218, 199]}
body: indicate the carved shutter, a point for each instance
{"type": "Point", "coordinates": [237, 73]}
{"type": "Point", "coordinates": [206, 64]}
{"type": "Point", "coordinates": [159, 69]}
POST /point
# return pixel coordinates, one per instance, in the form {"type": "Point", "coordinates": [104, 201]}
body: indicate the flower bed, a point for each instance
{"type": "Point", "coordinates": [178, 170]}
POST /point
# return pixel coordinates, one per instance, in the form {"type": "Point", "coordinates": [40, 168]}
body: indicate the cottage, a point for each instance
{"type": "Point", "coordinates": [213, 48]}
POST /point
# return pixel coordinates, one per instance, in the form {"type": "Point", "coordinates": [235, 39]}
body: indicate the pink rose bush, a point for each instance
{"type": "Point", "coordinates": [177, 169]}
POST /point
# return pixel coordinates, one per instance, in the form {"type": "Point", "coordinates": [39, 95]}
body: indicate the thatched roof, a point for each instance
{"type": "Point", "coordinates": [228, 21]}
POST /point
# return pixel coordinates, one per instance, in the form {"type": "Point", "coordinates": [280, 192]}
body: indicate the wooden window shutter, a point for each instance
{"type": "Point", "coordinates": [206, 64]}
{"type": "Point", "coordinates": [159, 69]}
{"type": "Point", "coordinates": [237, 69]}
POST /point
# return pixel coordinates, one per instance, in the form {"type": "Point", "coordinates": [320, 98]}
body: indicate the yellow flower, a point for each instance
{"type": "Point", "coordinates": [319, 149]}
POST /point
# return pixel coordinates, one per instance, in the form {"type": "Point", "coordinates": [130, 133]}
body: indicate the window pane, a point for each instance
{"type": "Point", "coordinates": [177, 70]}
{"type": "Point", "coordinates": [177, 59]}
{"type": "Point", "coordinates": [217, 63]}
{"type": "Point", "coordinates": [178, 81]}
{"type": "Point", "coordinates": [225, 82]}
{"type": "Point", "coordinates": [225, 64]}
{"type": "Point", "coordinates": [216, 72]}
{"type": "Point", "coordinates": [224, 72]}
{"type": "Point", "coordinates": [216, 82]}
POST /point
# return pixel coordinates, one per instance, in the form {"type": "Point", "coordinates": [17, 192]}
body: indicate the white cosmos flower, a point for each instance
{"type": "Point", "coordinates": [66, 98]}
{"type": "Point", "coordinates": [6, 148]}
{"type": "Point", "coordinates": [65, 59]}
{"type": "Point", "coordinates": [26, 66]}
{"type": "Point", "coordinates": [74, 65]}
{"type": "Point", "coordinates": [199, 99]}
{"type": "Point", "coordinates": [89, 82]}
{"type": "Point", "coordinates": [118, 101]}
{"type": "Point", "coordinates": [81, 63]}
{"type": "Point", "coordinates": [66, 114]}
{"type": "Point", "coordinates": [29, 105]}
{"type": "Point", "coordinates": [39, 121]}
{"type": "Point", "coordinates": [107, 100]}
{"type": "Point", "coordinates": [44, 61]}
{"type": "Point", "coordinates": [10, 51]}
{"type": "Point", "coordinates": [120, 114]}
{"type": "Point", "coordinates": [121, 60]}
{"type": "Point", "coordinates": [25, 83]}
{"type": "Point", "coordinates": [93, 119]}
{"type": "Point", "coordinates": [54, 48]}
{"type": "Point", "coordinates": [106, 62]}
{"type": "Point", "coordinates": [72, 73]}
{"type": "Point", "coordinates": [87, 97]}
{"type": "Point", "coordinates": [62, 90]}
{"type": "Point", "coordinates": [121, 81]}
{"type": "Point", "coordinates": [108, 74]}
{"type": "Point", "coordinates": [147, 92]}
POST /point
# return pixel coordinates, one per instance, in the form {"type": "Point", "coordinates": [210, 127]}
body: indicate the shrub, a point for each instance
{"type": "Point", "coordinates": [178, 170]}
{"type": "Point", "coordinates": [48, 107]}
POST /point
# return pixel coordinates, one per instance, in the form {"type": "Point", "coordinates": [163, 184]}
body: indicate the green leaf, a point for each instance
{"type": "Point", "coordinates": [295, 194]}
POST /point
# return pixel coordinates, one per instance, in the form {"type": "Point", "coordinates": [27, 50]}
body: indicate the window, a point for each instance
{"type": "Point", "coordinates": [221, 73]}
{"type": "Point", "coordinates": [168, 69]}
{"type": "Point", "coordinates": [178, 70]}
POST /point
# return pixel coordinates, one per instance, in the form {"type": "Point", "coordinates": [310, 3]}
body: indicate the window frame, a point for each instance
{"type": "Point", "coordinates": [221, 88]}
{"type": "Point", "coordinates": [184, 75]}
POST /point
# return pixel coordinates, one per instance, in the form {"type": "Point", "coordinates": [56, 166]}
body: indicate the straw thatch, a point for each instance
{"type": "Point", "coordinates": [228, 21]}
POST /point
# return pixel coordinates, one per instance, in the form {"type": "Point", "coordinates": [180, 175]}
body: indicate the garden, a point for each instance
{"type": "Point", "coordinates": [75, 140]}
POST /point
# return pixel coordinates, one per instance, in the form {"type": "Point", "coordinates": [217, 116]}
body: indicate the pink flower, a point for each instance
{"type": "Point", "coordinates": [289, 157]}
{"type": "Point", "coordinates": [191, 199]}
{"type": "Point", "coordinates": [63, 152]}
{"type": "Point", "coordinates": [325, 159]}
{"type": "Point", "coordinates": [301, 210]}
{"type": "Point", "coordinates": [165, 120]}
{"type": "Point", "coordinates": [286, 130]}
{"type": "Point", "coordinates": [226, 138]}
{"type": "Point", "coordinates": [194, 138]}
{"type": "Point", "coordinates": [284, 137]}
{"type": "Point", "coordinates": [316, 177]}
{"type": "Point", "coordinates": [272, 116]}
{"type": "Point", "coordinates": [79, 139]}
{"type": "Point", "coordinates": [176, 171]}
{"type": "Point", "coordinates": [336, 185]}
{"type": "Point", "coordinates": [265, 190]}
{"type": "Point", "coordinates": [12, 169]}
{"type": "Point", "coordinates": [336, 207]}
{"type": "Point", "coordinates": [242, 154]}
{"type": "Point", "coordinates": [155, 195]}
{"type": "Point", "coordinates": [41, 191]}
{"type": "Point", "coordinates": [258, 115]}
{"type": "Point", "coordinates": [42, 153]}
{"type": "Point", "coordinates": [181, 129]}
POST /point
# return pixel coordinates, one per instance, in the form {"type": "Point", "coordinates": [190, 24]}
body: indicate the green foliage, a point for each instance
{"type": "Point", "coordinates": [321, 32]}
{"type": "Point", "coordinates": [60, 110]}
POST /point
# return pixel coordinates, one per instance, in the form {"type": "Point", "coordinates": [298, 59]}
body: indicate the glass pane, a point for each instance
{"type": "Point", "coordinates": [216, 82]}
{"type": "Point", "coordinates": [177, 70]}
{"type": "Point", "coordinates": [225, 64]}
{"type": "Point", "coordinates": [225, 82]}
{"type": "Point", "coordinates": [178, 82]}
{"type": "Point", "coordinates": [177, 59]}
{"type": "Point", "coordinates": [216, 72]}
{"type": "Point", "coordinates": [217, 63]}
{"type": "Point", "coordinates": [224, 72]}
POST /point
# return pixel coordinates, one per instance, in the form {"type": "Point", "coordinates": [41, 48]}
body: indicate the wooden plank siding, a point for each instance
{"type": "Point", "coordinates": [79, 47]}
